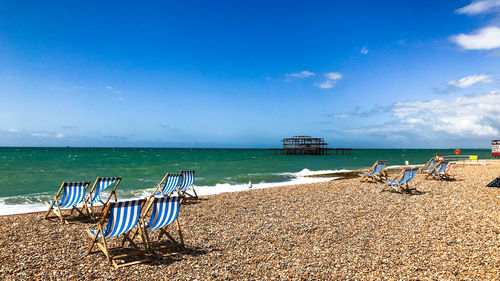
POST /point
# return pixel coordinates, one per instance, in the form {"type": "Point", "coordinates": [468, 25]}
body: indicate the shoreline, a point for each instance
{"type": "Point", "coordinates": [303, 177]}
{"type": "Point", "coordinates": [341, 229]}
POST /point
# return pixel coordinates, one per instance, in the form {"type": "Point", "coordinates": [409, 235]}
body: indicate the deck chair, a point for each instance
{"type": "Point", "coordinates": [430, 165]}
{"type": "Point", "coordinates": [440, 171]}
{"type": "Point", "coordinates": [406, 175]}
{"type": "Point", "coordinates": [494, 183]}
{"type": "Point", "coordinates": [187, 180]}
{"type": "Point", "coordinates": [376, 171]}
{"type": "Point", "coordinates": [73, 193]}
{"type": "Point", "coordinates": [100, 184]}
{"type": "Point", "coordinates": [165, 212]}
{"type": "Point", "coordinates": [168, 184]}
{"type": "Point", "coordinates": [122, 218]}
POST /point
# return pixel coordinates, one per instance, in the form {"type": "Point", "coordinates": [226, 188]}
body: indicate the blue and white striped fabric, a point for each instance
{"type": "Point", "coordinates": [431, 165]}
{"type": "Point", "coordinates": [123, 216]}
{"type": "Point", "coordinates": [408, 175]}
{"type": "Point", "coordinates": [73, 194]}
{"type": "Point", "coordinates": [441, 169]}
{"type": "Point", "coordinates": [165, 211]}
{"type": "Point", "coordinates": [102, 183]}
{"type": "Point", "coordinates": [379, 167]}
{"type": "Point", "coordinates": [187, 179]}
{"type": "Point", "coordinates": [170, 183]}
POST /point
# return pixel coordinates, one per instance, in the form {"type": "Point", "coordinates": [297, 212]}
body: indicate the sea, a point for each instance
{"type": "Point", "coordinates": [29, 176]}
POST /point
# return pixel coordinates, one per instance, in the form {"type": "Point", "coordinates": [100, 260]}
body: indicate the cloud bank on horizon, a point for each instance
{"type": "Point", "coordinates": [241, 75]}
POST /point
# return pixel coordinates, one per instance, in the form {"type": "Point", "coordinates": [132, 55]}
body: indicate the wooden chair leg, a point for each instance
{"type": "Point", "coordinates": [181, 237]}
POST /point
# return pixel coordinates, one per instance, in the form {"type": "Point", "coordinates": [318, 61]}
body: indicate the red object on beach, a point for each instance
{"type": "Point", "coordinates": [441, 158]}
{"type": "Point", "coordinates": [457, 151]}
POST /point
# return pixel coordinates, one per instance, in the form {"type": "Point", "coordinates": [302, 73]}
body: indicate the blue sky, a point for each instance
{"type": "Point", "coordinates": [374, 74]}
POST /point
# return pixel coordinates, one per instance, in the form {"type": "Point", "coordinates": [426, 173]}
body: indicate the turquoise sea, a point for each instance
{"type": "Point", "coordinates": [28, 176]}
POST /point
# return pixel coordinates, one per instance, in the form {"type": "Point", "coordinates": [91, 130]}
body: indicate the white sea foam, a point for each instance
{"type": "Point", "coordinates": [297, 178]}
{"type": "Point", "coordinates": [7, 209]}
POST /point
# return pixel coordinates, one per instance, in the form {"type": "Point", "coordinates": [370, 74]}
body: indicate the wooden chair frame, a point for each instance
{"type": "Point", "coordinates": [406, 186]}
{"type": "Point", "coordinates": [164, 230]}
{"type": "Point", "coordinates": [58, 211]}
{"type": "Point", "coordinates": [159, 187]}
{"type": "Point", "coordinates": [443, 176]}
{"type": "Point", "coordinates": [379, 177]}
{"type": "Point", "coordinates": [184, 193]}
{"type": "Point", "coordinates": [104, 203]}
{"type": "Point", "coordinates": [103, 247]}
{"type": "Point", "coordinates": [424, 169]}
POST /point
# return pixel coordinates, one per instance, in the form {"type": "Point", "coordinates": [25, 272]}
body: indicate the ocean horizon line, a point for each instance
{"type": "Point", "coordinates": [256, 148]}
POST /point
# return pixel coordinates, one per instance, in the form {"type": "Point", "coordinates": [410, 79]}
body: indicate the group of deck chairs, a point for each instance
{"type": "Point", "coordinates": [127, 218]}
{"type": "Point", "coordinates": [434, 168]}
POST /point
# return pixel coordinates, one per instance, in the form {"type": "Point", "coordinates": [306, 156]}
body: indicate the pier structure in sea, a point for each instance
{"type": "Point", "coordinates": [307, 145]}
{"type": "Point", "coordinates": [304, 145]}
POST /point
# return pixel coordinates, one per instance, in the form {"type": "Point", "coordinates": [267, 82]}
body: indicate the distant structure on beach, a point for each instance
{"type": "Point", "coordinates": [495, 148]}
{"type": "Point", "coordinates": [307, 145]}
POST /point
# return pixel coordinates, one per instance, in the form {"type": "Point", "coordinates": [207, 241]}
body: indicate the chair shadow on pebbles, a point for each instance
{"type": "Point", "coordinates": [194, 202]}
{"type": "Point", "coordinates": [171, 255]}
{"type": "Point", "coordinates": [405, 191]}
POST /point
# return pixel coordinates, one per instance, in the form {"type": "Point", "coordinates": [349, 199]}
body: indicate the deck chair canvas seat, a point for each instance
{"type": "Point", "coordinates": [494, 183]}
{"type": "Point", "coordinates": [73, 193]}
{"type": "Point", "coordinates": [168, 184]}
{"type": "Point", "coordinates": [165, 212]}
{"type": "Point", "coordinates": [376, 172]}
{"type": "Point", "coordinates": [406, 175]}
{"type": "Point", "coordinates": [429, 166]}
{"type": "Point", "coordinates": [440, 171]}
{"type": "Point", "coordinates": [101, 183]}
{"type": "Point", "coordinates": [187, 180]}
{"type": "Point", "coordinates": [123, 217]}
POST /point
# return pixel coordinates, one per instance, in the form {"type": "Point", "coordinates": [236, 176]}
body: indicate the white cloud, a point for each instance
{"type": "Point", "coordinates": [47, 135]}
{"type": "Point", "coordinates": [13, 131]}
{"type": "Point", "coordinates": [465, 117]}
{"type": "Point", "coordinates": [364, 50]}
{"type": "Point", "coordinates": [470, 80]}
{"type": "Point", "coordinates": [486, 38]}
{"type": "Point", "coordinates": [331, 79]}
{"type": "Point", "coordinates": [118, 92]}
{"type": "Point", "coordinates": [333, 75]}
{"type": "Point", "coordinates": [299, 75]}
{"type": "Point", "coordinates": [38, 134]}
{"type": "Point", "coordinates": [344, 115]}
{"type": "Point", "coordinates": [477, 115]}
{"type": "Point", "coordinates": [479, 7]}
{"type": "Point", "coordinates": [325, 84]}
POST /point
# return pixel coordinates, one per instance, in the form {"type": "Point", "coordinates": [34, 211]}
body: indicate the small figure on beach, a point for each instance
{"type": "Point", "coordinates": [249, 184]}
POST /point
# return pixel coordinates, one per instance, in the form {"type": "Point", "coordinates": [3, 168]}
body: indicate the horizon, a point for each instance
{"type": "Point", "coordinates": [244, 75]}
{"type": "Point", "coordinates": [249, 148]}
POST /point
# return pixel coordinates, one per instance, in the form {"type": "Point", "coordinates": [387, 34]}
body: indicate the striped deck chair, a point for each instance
{"type": "Point", "coordinates": [430, 165]}
{"type": "Point", "coordinates": [187, 180]}
{"type": "Point", "coordinates": [168, 184]}
{"type": "Point", "coordinates": [101, 183]}
{"type": "Point", "coordinates": [377, 172]}
{"type": "Point", "coordinates": [406, 175]}
{"type": "Point", "coordinates": [73, 194]}
{"type": "Point", "coordinates": [122, 217]}
{"type": "Point", "coordinates": [441, 171]}
{"type": "Point", "coordinates": [165, 212]}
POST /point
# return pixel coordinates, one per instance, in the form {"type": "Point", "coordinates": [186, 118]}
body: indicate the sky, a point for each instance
{"type": "Point", "coordinates": [244, 74]}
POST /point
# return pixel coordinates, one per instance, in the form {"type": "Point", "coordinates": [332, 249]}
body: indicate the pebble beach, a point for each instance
{"type": "Point", "coordinates": [341, 229]}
